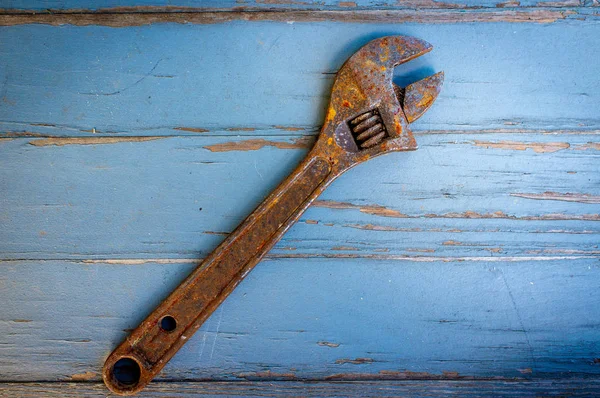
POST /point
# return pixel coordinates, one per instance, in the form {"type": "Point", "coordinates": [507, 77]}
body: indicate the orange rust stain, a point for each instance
{"type": "Point", "coordinates": [84, 376]}
{"type": "Point", "coordinates": [330, 114]}
{"type": "Point", "coordinates": [346, 104]}
{"type": "Point", "coordinates": [192, 129]}
{"type": "Point", "coordinates": [259, 143]}
{"type": "Point", "coordinates": [537, 147]}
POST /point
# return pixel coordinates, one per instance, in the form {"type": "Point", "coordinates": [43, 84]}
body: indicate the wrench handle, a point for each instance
{"type": "Point", "coordinates": [139, 358]}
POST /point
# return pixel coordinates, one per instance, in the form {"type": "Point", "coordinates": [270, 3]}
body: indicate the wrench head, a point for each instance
{"type": "Point", "coordinates": [368, 114]}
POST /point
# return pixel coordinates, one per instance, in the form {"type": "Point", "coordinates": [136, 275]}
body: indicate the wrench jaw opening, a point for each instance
{"type": "Point", "coordinates": [368, 115]}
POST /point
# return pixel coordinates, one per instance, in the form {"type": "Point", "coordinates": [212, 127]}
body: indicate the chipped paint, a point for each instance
{"type": "Point", "coordinates": [86, 376]}
{"type": "Point", "coordinates": [537, 147]}
{"type": "Point", "coordinates": [356, 361]}
{"type": "Point", "coordinates": [376, 210]}
{"type": "Point", "coordinates": [563, 197]}
{"type": "Point", "coordinates": [383, 211]}
{"type": "Point", "coordinates": [259, 143]}
{"type": "Point", "coordinates": [589, 145]}
{"type": "Point", "coordinates": [452, 243]}
{"type": "Point", "coordinates": [328, 344]}
{"type": "Point", "coordinates": [61, 141]}
{"type": "Point", "coordinates": [346, 248]}
{"type": "Point", "coordinates": [192, 129]}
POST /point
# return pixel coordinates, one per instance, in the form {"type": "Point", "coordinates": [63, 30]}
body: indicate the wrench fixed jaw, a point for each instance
{"type": "Point", "coordinates": [368, 115]}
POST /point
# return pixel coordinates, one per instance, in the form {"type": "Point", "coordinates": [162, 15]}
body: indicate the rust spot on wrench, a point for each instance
{"type": "Point", "coordinates": [367, 117]}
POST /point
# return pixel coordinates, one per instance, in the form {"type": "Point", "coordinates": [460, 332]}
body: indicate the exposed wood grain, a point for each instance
{"type": "Point", "coordinates": [173, 198]}
{"type": "Point", "coordinates": [434, 388]}
{"type": "Point", "coordinates": [120, 19]}
{"type": "Point", "coordinates": [432, 320]}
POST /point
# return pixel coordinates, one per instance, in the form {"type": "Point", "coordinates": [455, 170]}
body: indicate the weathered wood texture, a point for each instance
{"type": "Point", "coordinates": [128, 154]}
{"type": "Point", "coordinates": [545, 388]}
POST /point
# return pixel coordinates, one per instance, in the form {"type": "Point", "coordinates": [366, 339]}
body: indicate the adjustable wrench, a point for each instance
{"type": "Point", "coordinates": [367, 116]}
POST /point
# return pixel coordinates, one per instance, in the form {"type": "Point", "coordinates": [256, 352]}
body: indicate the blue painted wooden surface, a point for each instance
{"type": "Point", "coordinates": [128, 153]}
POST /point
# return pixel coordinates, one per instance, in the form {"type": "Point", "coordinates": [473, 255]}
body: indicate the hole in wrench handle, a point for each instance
{"type": "Point", "coordinates": [150, 345]}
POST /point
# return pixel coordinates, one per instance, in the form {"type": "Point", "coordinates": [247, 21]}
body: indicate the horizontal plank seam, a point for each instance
{"type": "Point", "coordinates": [348, 256]}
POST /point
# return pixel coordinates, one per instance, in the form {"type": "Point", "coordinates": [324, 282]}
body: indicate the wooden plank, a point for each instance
{"type": "Point", "coordinates": [458, 195]}
{"type": "Point", "coordinates": [546, 388]}
{"type": "Point", "coordinates": [258, 78]}
{"type": "Point", "coordinates": [173, 6]}
{"type": "Point", "coordinates": [305, 319]}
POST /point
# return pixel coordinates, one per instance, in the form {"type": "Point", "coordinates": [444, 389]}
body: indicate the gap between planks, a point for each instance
{"type": "Point", "coordinates": [575, 387]}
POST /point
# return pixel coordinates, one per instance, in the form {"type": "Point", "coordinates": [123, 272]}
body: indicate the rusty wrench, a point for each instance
{"type": "Point", "coordinates": [367, 116]}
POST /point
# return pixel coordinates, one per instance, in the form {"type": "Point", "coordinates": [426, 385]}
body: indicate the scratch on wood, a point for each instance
{"type": "Point", "coordinates": [312, 222]}
{"type": "Point", "coordinates": [192, 129]}
{"type": "Point", "coordinates": [87, 376]}
{"type": "Point", "coordinates": [60, 141]}
{"type": "Point", "coordinates": [134, 16]}
{"type": "Point", "coordinates": [256, 144]}
{"type": "Point", "coordinates": [420, 250]}
{"type": "Point", "coordinates": [537, 147]}
{"type": "Point", "coordinates": [356, 361]}
{"type": "Point", "coordinates": [564, 197]}
{"type": "Point", "coordinates": [22, 320]}
{"type": "Point", "coordinates": [216, 233]}
{"type": "Point", "coordinates": [328, 344]}
{"type": "Point", "coordinates": [347, 4]}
